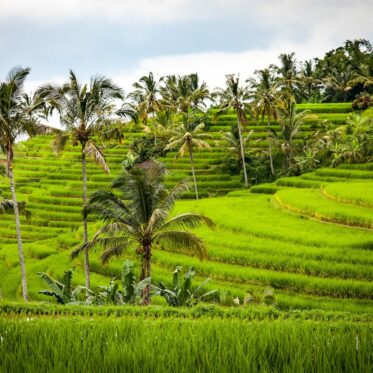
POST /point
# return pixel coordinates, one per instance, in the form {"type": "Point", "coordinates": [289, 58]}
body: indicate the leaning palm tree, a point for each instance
{"type": "Point", "coordinates": [266, 100]}
{"type": "Point", "coordinates": [16, 119]}
{"type": "Point", "coordinates": [185, 138]}
{"type": "Point", "coordinates": [235, 97]}
{"type": "Point", "coordinates": [86, 112]}
{"type": "Point", "coordinates": [135, 213]}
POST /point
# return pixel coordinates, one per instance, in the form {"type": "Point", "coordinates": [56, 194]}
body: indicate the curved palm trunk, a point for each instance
{"type": "Point", "coordinates": [193, 173]}
{"type": "Point", "coordinates": [85, 223]}
{"type": "Point", "coordinates": [270, 149]}
{"type": "Point", "coordinates": [18, 224]}
{"type": "Point", "coordinates": [242, 152]}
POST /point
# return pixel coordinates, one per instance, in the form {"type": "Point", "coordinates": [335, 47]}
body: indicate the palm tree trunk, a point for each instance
{"type": "Point", "coordinates": [270, 149]}
{"type": "Point", "coordinates": [193, 173]}
{"type": "Point", "coordinates": [242, 152]}
{"type": "Point", "coordinates": [146, 272]}
{"type": "Point", "coordinates": [18, 224]}
{"type": "Point", "coordinates": [85, 223]}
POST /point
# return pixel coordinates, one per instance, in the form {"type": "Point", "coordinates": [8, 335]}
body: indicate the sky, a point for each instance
{"type": "Point", "coordinates": [126, 39]}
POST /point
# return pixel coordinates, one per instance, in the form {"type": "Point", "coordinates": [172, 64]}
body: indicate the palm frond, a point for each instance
{"type": "Point", "coordinates": [95, 152]}
{"type": "Point", "coordinates": [182, 241]}
{"type": "Point", "coordinates": [188, 220]}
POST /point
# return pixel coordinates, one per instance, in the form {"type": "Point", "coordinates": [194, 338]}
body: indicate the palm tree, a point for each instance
{"type": "Point", "coordinates": [16, 119]}
{"type": "Point", "coordinates": [266, 100]}
{"type": "Point", "coordinates": [182, 93]}
{"type": "Point", "coordinates": [287, 74]}
{"type": "Point", "coordinates": [290, 123]}
{"type": "Point", "coordinates": [339, 81]}
{"type": "Point", "coordinates": [363, 76]}
{"type": "Point", "coordinates": [233, 145]}
{"type": "Point", "coordinates": [235, 97]}
{"type": "Point", "coordinates": [185, 138]}
{"type": "Point", "coordinates": [309, 84]}
{"type": "Point", "coordinates": [146, 97]}
{"type": "Point", "coordinates": [136, 215]}
{"type": "Point", "coordinates": [85, 111]}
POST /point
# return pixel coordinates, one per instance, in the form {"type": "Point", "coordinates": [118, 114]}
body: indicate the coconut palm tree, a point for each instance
{"type": "Point", "coordinates": [339, 81]}
{"type": "Point", "coordinates": [85, 111]}
{"type": "Point", "coordinates": [184, 93]}
{"type": "Point", "coordinates": [235, 97]}
{"type": "Point", "coordinates": [363, 76]}
{"type": "Point", "coordinates": [16, 119]}
{"type": "Point", "coordinates": [308, 83]}
{"type": "Point", "coordinates": [136, 213]}
{"type": "Point", "coordinates": [186, 137]}
{"type": "Point", "coordinates": [146, 97]}
{"type": "Point", "coordinates": [287, 74]}
{"type": "Point", "coordinates": [290, 123]}
{"type": "Point", "coordinates": [233, 145]}
{"type": "Point", "coordinates": [266, 100]}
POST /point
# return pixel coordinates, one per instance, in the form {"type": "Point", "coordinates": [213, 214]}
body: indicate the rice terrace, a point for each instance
{"type": "Point", "coordinates": [178, 227]}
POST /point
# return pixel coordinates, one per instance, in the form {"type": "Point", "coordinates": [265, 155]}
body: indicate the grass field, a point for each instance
{"type": "Point", "coordinates": [309, 238]}
{"type": "Point", "coordinates": [200, 340]}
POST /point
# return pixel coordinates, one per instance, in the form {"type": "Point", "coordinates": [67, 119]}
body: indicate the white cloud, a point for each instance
{"type": "Point", "coordinates": [213, 66]}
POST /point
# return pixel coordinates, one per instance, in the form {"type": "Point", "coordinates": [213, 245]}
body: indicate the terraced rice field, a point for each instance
{"type": "Point", "coordinates": [309, 237]}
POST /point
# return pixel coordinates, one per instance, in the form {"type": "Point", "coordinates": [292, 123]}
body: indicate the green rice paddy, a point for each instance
{"type": "Point", "coordinates": [309, 238]}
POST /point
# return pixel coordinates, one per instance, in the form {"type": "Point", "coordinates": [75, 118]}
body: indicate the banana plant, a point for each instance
{"type": "Point", "coordinates": [131, 293]}
{"type": "Point", "coordinates": [181, 293]}
{"type": "Point", "coordinates": [132, 290]}
{"type": "Point", "coordinates": [63, 291]}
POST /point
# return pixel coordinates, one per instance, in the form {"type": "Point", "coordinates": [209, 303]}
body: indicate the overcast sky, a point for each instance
{"type": "Point", "coordinates": [126, 39]}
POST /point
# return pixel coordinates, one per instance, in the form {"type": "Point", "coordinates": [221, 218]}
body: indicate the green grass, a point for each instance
{"type": "Point", "coordinates": [139, 344]}
{"type": "Point", "coordinates": [356, 193]}
{"type": "Point", "coordinates": [271, 235]}
{"type": "Point", "coordinates": [313, 203]}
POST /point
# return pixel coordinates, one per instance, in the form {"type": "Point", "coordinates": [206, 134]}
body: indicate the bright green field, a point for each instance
{"type": "Point", "coordinates": [310, 238]}
{"type": "Point", "coordinates": [169, 344]}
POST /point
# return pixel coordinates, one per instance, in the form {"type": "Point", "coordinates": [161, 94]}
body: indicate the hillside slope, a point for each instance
{"type": "Point", "coordinates": [308, 237]}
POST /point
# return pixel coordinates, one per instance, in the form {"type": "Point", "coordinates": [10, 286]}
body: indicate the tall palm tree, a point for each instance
{"type": "Point", "coordinates": [16, 119]}
{"type": "Point", "coordinates": [266, 101]}
{"type": "Point", "coordinates": [235, 97]}
{"type": "Point", "coordinates": [85, 111]}
{"type": "Point", "coordinates": [185, 138]}
{"type": "Point", "coordinates": [146, 97]}
{"type": "Point", "coordinates": [136, 215]}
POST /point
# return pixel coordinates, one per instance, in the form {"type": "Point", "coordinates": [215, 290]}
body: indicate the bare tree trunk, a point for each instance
{"type": "Point", "coordinates": [193, 173]}
{"type": "Point", "coordinates": [242, 152]}
{"type": "Point", "coordinates": [85, 223]}
{"type": "Point", "coordinates": [270, 149]}
{"type": "Point", "coordinates": [18, 225]}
